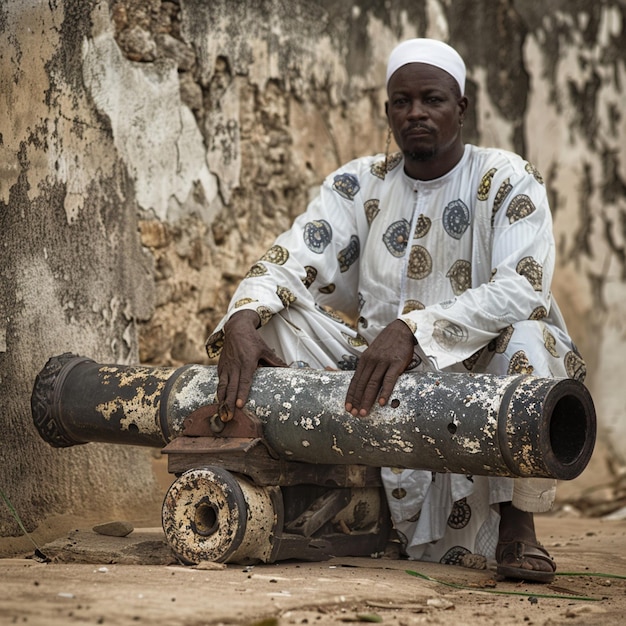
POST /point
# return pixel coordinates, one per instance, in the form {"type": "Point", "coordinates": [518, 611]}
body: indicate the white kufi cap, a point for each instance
{"type": "Point", "coordinates": [428, 51]}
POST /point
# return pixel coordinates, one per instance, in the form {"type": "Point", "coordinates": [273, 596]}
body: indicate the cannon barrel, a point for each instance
{"type": "Point", "coordinates": [483, 424]}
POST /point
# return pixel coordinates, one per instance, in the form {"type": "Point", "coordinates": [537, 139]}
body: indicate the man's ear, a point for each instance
{"type": "Point", "coordinates": [463, 102]}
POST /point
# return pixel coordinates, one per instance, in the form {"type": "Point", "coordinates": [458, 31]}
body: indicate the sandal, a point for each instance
{"type": "Point", "coordinates": [520, 551]}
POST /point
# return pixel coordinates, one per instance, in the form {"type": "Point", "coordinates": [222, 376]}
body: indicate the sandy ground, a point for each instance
{"type": "Point", "coordinates": [94, 579]}
{"type": "Point", "coordinates": [331, 592]}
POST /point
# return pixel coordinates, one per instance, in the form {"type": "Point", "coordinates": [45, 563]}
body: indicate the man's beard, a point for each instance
{"type": "Point", "coordinates": [421, 155]}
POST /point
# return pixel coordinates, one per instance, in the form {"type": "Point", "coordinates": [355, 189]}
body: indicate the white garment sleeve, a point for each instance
{"type": "Point", "coordinates": [316, 260]}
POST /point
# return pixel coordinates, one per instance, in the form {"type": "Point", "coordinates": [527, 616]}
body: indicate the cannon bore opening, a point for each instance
{"type": "Point", "coordinates": [569, 429]}
{"type": "Point", "coordinates": [205, 521]}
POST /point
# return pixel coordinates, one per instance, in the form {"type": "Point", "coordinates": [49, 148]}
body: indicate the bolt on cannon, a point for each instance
{"type": "Point", "coordinates": [292, 474]}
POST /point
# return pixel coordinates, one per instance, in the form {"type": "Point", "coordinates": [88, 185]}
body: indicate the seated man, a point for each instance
{"type": "Point", "coordinates": [443, 254]}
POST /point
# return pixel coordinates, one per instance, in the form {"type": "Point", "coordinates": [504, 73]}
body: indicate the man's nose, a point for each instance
{"type": "Point", "coordinates": [417, 110]}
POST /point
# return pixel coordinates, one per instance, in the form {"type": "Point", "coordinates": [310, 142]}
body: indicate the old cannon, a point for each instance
{"type": "Point", "coordinates": [293, 475]}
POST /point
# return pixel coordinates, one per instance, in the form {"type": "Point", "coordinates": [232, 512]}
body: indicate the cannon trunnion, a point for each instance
{"type": "Point", "coordinates": [293, 475]}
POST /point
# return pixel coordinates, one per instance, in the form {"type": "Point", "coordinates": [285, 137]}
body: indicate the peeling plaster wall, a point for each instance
{"type": "Point", "coordinates": [150, 151]}
{"type": "Point", "coordinates": [73, 274]}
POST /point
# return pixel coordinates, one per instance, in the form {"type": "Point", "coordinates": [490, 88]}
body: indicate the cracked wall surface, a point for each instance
{"type": "Point", "coordinates": [151, 150]}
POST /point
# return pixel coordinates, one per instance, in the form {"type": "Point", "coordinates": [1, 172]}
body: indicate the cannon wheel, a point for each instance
{"type": "Point", "coordinates": [210, 514]}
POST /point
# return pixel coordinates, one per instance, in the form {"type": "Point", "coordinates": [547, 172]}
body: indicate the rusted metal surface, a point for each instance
{"type": "Point", "coordinates": [293, 475]}
{"type": "Point", "coordinates": [76, 400]}
{"type": "Point", "coordinates": [251, 457]}
{"type": "Point", "coordinates": [206, 422]}
{"type": "Point", "coordinates": [463, 423]}
{"type": "Point", "coordinates": [210, 514]}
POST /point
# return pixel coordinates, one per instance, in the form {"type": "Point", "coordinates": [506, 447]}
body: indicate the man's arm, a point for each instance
{"type": "Point", "coordinates": [379, 368]}
{"type": "Point", "coordinates": [244, 350]}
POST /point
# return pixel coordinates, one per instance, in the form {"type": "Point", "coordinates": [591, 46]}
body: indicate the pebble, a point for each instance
{"type": "Point", "coordinates": [209, 565]}
{"type": "Point", "coordinates": [114, 529]}
{"type": "Point", "coordinates": [439, 603]}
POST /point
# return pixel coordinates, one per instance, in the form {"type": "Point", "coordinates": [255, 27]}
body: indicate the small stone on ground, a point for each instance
{"type": "Point", "coordinates": [114, 529]}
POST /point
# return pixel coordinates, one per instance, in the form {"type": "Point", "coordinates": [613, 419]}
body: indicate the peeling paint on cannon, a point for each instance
{"type": "Point", "coordinates": [462, 423]}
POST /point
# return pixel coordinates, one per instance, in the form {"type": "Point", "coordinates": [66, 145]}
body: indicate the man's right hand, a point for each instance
{"type": "Point", "coordinates": [243, 351]}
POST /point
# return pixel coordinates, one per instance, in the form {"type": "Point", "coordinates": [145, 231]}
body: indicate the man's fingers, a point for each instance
{"type": "Point", "coordinates": [389, 382]}
{"type": "Point", "coordinates": [240, 395]}
{"type": "Point", "coordinates": [364, 388]}
{"type": "Point", "coordinates": [227, 392]}
{"type": "Point", "coordinates": [372, 389]}
{"type": "Point", "coordinates": [356, 387]}
{"type": "Point", "coordinates": [222, 385]}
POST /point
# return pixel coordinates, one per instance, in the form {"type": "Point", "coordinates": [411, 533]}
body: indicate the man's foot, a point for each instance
{"type": "Point", "coordinates": [519, 554]}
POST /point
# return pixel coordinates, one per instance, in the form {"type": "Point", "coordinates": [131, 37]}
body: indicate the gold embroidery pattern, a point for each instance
{"type": "Point", "coordinates": [485, 184]}
{"type": "Point", "coordinates": [550, 342]}
{"type": "Point", "coordinates": [311, 275]}
{"type": "Point", "coordinates": [501, 195]}
{"type": "Point", "coordinates": [256, 270]}
{"type": "Point", "coordinates": [422, 227]}
{"type": "Point", "coordinates": [501, 342]}
{"type": "Point", "coordinates": [330, 312]}
{"type": "Point", "coordinates": [243, 302]}
{"type": "Point", "coordinates": [214, 344]}
{"type": "Point", "coordinates": [539, 313]}
{"type": "Point", "coordinates": [265, 314]}
{"type": "Point", "coordinates": [520, 207]}
{"type": "Point", "coordinates": [531, 169]}
{"type": "Point", "coordinates": [460, 515]}
{"type": "Point", "coordinates": [412, 305]}
{"type": "Point", "coordinates": [531, 271]}
{"type": "Point", "coordinates": [286, 296]}
{"type": "Point", "coordinates": [575, 366]}
{"type": "Point", "coordinates": [420, 263]}
{"type": "Point", "coordinates": [378, 168]}
{"type": "Point", "coordinates": [460, 275]}
{"type": "Point", "coordinates": [520, 364]}
{"type": "Point", "coordinates": [355, 342]}
{"type": "Point", "coordinates": [328, 289]}
{"type": "Point", "coordinates": [448, 334]}
{"type": "Point", "coordinates": [277, 255]}
{"type": "Point", "coordinates": [372, 207]}
{"type": "Point", "coordinates": [471, 361]}
{"type": "Point", "coordinates": [349, 255]}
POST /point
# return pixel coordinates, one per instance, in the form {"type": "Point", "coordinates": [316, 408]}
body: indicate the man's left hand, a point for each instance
{"type": "Point", "coordinates": [379, 368]}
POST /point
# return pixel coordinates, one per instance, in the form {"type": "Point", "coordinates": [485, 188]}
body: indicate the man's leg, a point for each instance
{"type": "Point", "coordinates": [537, 349]}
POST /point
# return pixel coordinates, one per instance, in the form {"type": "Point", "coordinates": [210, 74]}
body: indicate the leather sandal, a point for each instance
{"type": "Point", "coordinates": [521, 551]}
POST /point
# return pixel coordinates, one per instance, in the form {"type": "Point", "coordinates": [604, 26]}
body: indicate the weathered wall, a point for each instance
{"type": "Point", "coordinates": [151, 150]}
{"type": "Point", "coordinates": [74, 275]}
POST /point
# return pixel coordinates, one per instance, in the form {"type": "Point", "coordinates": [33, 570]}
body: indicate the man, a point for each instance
{"type": "Point", "coordinates": [444, 255]}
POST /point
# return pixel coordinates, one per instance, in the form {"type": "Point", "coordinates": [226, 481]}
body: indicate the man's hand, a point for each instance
{"type": "Point", "coordinates": [379, 368]}
{"type": "Point", "coordinates": [244, 350]}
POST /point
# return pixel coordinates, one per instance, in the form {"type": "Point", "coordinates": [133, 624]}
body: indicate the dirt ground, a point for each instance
{"type": "Point", "coordinates": [331, 592]}
{"type": "Point", "coordinates": [95, 579]}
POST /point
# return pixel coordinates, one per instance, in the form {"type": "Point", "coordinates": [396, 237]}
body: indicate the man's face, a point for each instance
{"type": "Point", "coordinates": [425, 110]}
